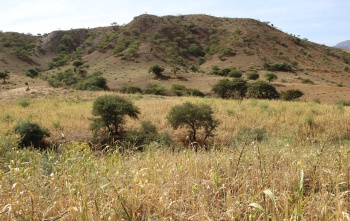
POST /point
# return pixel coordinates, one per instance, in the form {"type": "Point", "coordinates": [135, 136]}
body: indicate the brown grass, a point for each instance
{"type": "Point", "coordinates": [300, 171]}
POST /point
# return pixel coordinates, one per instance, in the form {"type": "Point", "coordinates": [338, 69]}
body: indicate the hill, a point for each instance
{"type": "Point", "coordinates": [343, 45]}
{"type": "Point", "coordinates": [123, 54]}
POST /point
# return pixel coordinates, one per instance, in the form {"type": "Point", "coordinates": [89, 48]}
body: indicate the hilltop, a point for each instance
{"type": "Point", "coordinates": [123, 54]}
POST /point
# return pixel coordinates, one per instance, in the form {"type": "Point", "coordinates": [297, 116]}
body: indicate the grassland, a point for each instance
{"type": "Point", "coordinates": [269, 160]}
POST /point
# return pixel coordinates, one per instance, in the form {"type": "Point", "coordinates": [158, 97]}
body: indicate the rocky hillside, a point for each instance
{"type": "Point", "coordinates": [124, 53]}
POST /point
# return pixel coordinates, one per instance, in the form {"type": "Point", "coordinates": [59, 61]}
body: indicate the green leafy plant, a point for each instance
{"type": "Point", "coordinates": [262, 90]}
{"type": "Point", "coordinates": [130, 89]}
{"type": "Point", "coordinates": [252, 76]}
{"type": "Point", "coordinates": [92, 83]}
{"type": "Point", "coordinates": [194, 117]}
{"type": "Point", "coordinates": [270, 76]}
{"type": "Point", "coordinates": [110, 112]}
{"type": "Point", "coordinates": [32, 72]}
{"type": "Point", "coordinates": [4, 75]}
{"type": "Point", "coordinates": [181, 90]}
{"type": "Point", "coordinates": [226, 88]}
{"type": "Point", "coordinates": [155, 89]}
{"type": "Point", "coordinates": [31, 134]}
{"type": "Point", "coordinates": [291, 95]}
{"type": "Point", "coordinates": [156, 69]}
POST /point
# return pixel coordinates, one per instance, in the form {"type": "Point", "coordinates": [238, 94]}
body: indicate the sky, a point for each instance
{"type": "Point", "coordinates": [322, 21]}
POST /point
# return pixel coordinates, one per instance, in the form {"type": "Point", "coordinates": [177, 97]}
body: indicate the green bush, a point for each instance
{"type": "Point", "coordinates": [156, 69]}
{"type": "Point", "coordinates": [4, 75]}
{"type": "Point", "coordinates": [181, 90]}
{"type": "Point", "coordinates": [31, 134]}
{"type": "Point", "coordinates": [291, 95]}
{"type": "Point", "coordinates": [60, 60]}
{"type": "Point", "coordinates": [155, 89]}
{"type": "Point", "coordinates": [23, 102]}
{"type": "Point", "coordinates": [270, 76]}
{"type": "Point", "coordinates": [130, 89]}
{"type": "Point", "coordinates": [235, 88]}
{"type": "Point", "coordinates": [262, 90]}
{"type": "Point", "coordinates": [110, 112]}
{"type": "Point", "coordinates": [307, 81]}
{"type": "Point", "coordinates": [277, 66]}
{"type": "Point", "coordinates": [235, 73]}
{"type": "Point", "coordinates": [194, 117]}
{"type": "Point", "coordinates": [252, 76]}
{"type": "Point", "coordinates": [32, 72]}
{"type": "Point", "coordinates": [138, 139]}
{"type": "Point", "coordinates": [92, 83]}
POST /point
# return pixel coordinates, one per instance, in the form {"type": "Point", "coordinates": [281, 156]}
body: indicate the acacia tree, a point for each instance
{"type": "Point", "coordinates": [262, 90]}
{"type": "Point", "coordinates": [111, 112]}
{"type": "Point", "coordinates": [194, 117]}
{"type": "Point", "coordinates": [4, 75]}
{"type": "Point", "coordinates": [235, 88]}
{"type": "Point", "coordinates": [270, 76]}
{"type": "Point", "coordinates": [156, 69]}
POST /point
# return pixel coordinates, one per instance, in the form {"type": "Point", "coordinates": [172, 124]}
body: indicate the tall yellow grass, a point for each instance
{"type": "Point", "coordinates": [300, 172]}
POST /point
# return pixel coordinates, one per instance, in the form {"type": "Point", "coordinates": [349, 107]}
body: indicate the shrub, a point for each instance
{"type": "Point", "coordinates": [235, 73]}
{"type": "Point", "coordinates": [277, 66]}
{"type": "Point", "coordinates": [92, 83]}
{"type": "Point", "coordinates": [270, 76]}
{"type": "Point", "coordinates": [146, 135]}
{"type": "Point", "coordinates": [32, 72]}
{"type": "Point", "coordinates": [23, 102]}
{"type": "Point", "coordinates": [31, 134]}
{"type": "Point", "coordinates": [59, 60]}
{"type": "Point", "coordinates": [235, 88]}
{"type": "Point", "coordinates": [194, 117]}
{"type": "Point", "coordinates": [291, 95]}
{"type": "Point", "coordinates": [110, 112]}
{"type": "Point", "coordinates": [4, 75]}
{"type": "Point", "coordinates": [307, 81]}
{"type": "Point", "coordinates": [78, 63]}
{"type": "Point", "coordinates": [195, 92]}
{"type": "Point", "coordinates": [181, 90]}
{"type": "Point", "coordinates": [130, 89]}
{"type": "Point", "coordinates": [252, 76]}
{"type": "Point", "coordinates": [193, 68]}
{"type": "Point", "coordinates": [262, 90]}
{"type": "Point", "coordinates": [156, 69]}
{"type": "Point", "coordinates": [155, 89]}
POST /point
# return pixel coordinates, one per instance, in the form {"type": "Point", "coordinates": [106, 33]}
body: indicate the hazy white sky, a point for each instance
{"type": "Point", "coordinates": [321, 21]}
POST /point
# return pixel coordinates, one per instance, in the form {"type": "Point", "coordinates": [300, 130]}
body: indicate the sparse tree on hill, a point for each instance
{"type": "Point", "coordinates": [235, 88]}
{"type": "Point", "coordinates": [262, 90]}
{"type": "Point", "coordinates": [270, 76]}
{"type": "Point", "coordinates": [194, 117]}
{"type": "Point", "coordinates": [4, 75]}
{"type": "Point", "coordinates": [156, 69]}
{"type": "Point", "coordinates": [252, 76]}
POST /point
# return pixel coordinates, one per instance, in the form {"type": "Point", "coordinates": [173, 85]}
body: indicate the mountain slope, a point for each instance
{"type": "Point", "coordinates": [124, 53]}
{"type": "Point", "coordinates": [343, 45]}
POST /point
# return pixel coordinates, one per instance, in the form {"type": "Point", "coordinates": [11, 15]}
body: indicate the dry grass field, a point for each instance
{"type": "Point", "coordinates": [269, 160]}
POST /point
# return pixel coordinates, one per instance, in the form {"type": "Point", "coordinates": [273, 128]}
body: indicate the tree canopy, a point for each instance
{"type": "Point", "coordinates": [111, 111]}
{"type": "Point", "coordinates": [193, 117]}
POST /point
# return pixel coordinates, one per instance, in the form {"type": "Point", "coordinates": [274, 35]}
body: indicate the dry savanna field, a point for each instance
{"type": "Point", "coordinates": [268, 160]}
